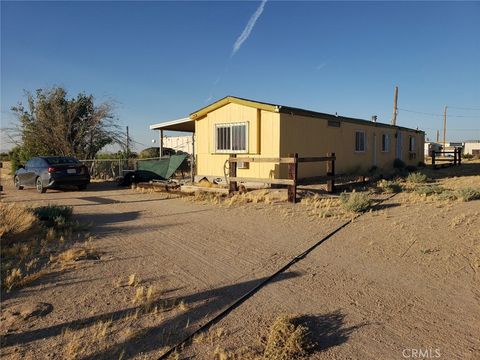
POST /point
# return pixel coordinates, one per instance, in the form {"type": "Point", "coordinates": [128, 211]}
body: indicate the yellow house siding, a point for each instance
{"type": "Point", "coordinates": [273, 134]}
{"type": "Point", "coordinates": [309, 136]}
{"type": "Point", "coordinates": [263, 140]}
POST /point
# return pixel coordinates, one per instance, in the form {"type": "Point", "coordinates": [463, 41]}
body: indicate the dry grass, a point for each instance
{"type": "Point", "coordinates": [468, 194]}
{"type": "Point", "coordinates": [13, 277]}
{"type": "Point", "coordinates": [133, 280]}
{"type": "Point", "coordinates": [324, 207]}
{"type": "Point", "coordinates": [30, 247]}
{"type": "Point", "coordinates": [286, 340]}
{"type": "Point", "coordinates": [17, 222]}
{"type": "Point", "coordinates": [72, 345]}
{"type": "Point", "coordinates": [389, 187]}
{"type": "Point", "coordinates": [206, 198]}
{"type": "Point", "coordinates": [416, 178]}
{"type": "Point", "coordinates": [265, 196]}
{"type": "Point", "coordinates": [76, 253]}
{"type": "Point", "coordinates": [182, 306]}
{"type": "Point", "coordinates": [355, 202]}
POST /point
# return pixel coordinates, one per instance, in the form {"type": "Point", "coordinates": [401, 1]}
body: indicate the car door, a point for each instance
{"type": "Point", "coordinates": [29, 174]}
{"type": "Point", "coordinates": [22, 174]}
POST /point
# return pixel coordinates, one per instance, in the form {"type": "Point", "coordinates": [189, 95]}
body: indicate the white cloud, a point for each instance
{"type": "Point", "coordinates": [248, 29]}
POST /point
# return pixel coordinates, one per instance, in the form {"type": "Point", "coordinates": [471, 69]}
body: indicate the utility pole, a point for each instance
{"type": "Point", "coordinates": [438, 136]}
{"type": "Point", "coordinates": [395, 109]}
{"type": "Point", "coordinates": [444, 127]}
{"type": "Point", "coordinates": [128, 144]}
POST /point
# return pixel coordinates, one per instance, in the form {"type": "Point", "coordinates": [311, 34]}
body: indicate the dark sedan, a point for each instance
{"type": "Point", "coordinates": [52, 171]}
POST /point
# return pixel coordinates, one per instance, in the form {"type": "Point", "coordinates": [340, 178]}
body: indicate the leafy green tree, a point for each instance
{"type": "Point", "coordinates": [53, 124]}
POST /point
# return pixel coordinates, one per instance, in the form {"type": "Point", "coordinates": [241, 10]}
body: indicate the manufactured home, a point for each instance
{"type": "Point", "coordinates": [251, 128]}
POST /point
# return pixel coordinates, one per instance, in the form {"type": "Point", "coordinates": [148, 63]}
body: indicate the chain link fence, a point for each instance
{"type": "Point", "coordinates": [113, 169]}
{"type": "Point", "coordinates": [108, 169]}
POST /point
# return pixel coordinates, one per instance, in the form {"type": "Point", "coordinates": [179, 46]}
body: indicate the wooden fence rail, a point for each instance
{"type": "Point", "coordinates": [456, 160]}
{"type": "Point", "coordinates": [292, 160]}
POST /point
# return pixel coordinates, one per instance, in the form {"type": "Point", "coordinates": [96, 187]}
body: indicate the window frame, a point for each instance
{"type": "Point", "coordinates": [231, 143]}
{"type": "Point", "coordinates": [411, 144]}
{"type": "Point", "coordinates": [364, 141]}
{"type": "Point", "coordinates": [387, 143]}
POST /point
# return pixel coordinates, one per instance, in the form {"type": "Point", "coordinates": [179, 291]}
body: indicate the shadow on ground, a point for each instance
{"type": "Point", "coordinates": [202, 306]}
{"type": "Point", "coordinates": [326, 330]}
{"type": "Point", "coordinates": [465, 169]}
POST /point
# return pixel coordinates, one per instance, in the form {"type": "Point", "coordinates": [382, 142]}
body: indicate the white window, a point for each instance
{"type": "Point", "coordinates": [411, 144]}
{"type": "Point", "coordinates": [360, 141]}
{"type": "Point", "coordinates": [385, 143]}
{"type": "Point", "coordinates": [231, 138]}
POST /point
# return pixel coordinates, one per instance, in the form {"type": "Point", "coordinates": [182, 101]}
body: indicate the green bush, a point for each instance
{"type": "Point", "coordinates": [356, 202]}
{"type": "Point", "coordinates": [428, 190]}
{"type": "Point", "coordinates": [18, 156]}
{"type": "Point", "coordinates": [54, 215]}
{"type": "Point", "coordinates": [447, 195]}
{"type": "Point", "coordinates": [390, 187]}
{"type": "Point", "coordinates": [416, 178]}
{"type": "Point", "coordinates": [468, 194]}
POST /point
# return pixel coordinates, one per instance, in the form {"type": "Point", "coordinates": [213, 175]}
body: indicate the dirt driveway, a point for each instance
{"type": "Point", "coordinates": [405, 276]}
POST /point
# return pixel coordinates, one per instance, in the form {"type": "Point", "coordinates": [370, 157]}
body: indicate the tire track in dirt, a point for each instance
{"type": "Point", "coordinates": [246, 296]}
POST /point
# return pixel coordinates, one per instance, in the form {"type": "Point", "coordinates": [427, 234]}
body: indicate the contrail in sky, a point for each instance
{"type": "Point", "coordinates": [238, 43]}
{"type": "Point", "coordinates": [248, 29]}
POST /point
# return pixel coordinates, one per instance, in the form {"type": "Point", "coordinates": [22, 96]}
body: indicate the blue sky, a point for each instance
{"type": "Point", "coordinates": [162, 60]}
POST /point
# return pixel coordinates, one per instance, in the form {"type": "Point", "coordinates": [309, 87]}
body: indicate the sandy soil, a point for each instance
{"type": "Point", "coordinates": [405, 276]}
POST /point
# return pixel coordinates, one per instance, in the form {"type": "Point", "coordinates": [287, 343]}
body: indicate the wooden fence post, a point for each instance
{"type": "Point", "coordinates": [433, 158]}
{"type": "Point", "coordinates": [459, 158]}
{"type": "Point", "coordinates": [331, 173]}
{"type": "Point", "coordinates": [232, 172]}
{"type": "Point", "coordinates": [292, 175]}
{"type": "Point", "coordinates": [455, 152]}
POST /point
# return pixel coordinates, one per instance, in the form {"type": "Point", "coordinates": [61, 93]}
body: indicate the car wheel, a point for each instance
{"type": "Point", "coordinates": [16, 181]}
{"type": "Point", "coordinates": [39, 185]}
{"type": "Point", "coordinates": [82, 187]}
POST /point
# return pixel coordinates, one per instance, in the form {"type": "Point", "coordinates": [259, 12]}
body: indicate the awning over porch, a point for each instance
{"type": "Point", "coordinates": [184, 124]}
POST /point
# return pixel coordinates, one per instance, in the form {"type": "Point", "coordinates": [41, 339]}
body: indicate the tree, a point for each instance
{"type": "Point", "coordinates": [54, 125]}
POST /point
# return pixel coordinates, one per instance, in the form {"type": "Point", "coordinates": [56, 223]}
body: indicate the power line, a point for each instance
{"type": "Point", "coordinates": [465, 108]}
{"type": "Point", "coordinates": [438, 115]}
{"type": "Point", "coordinates": [452, 129]}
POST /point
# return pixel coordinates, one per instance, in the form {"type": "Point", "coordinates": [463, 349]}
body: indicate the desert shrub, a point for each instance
{"type": "Point", "coordinates": [30, 246]}
{"type": "Point", "coordinates": [355, 202]}
{"type": "Point", "coordinates": [398, 164]}
{"type": "Point", "coordinates": [411, 168]}
{"type": "Point", "coordinates": [428, 190]}
{"type": "Point", "coordinates": [416, 178]}
{"type": "Point", "coordinates": [390, 187]}
{"type": "Point", "coordinates": [15, 220]}
{"type": "Point", "coordinates": [447, 196]}
{"type": "Point", "coordinates": [54, 215]}
{"type": "Point", "coordinates": [468, 194]}
{"type": "Point", "coordinates": [467, 156]}
{"type": "Point", "coordinates": [286, 340]}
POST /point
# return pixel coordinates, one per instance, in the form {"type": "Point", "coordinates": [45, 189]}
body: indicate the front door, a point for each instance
{"type": "Point", "coordinates": [398, 150]}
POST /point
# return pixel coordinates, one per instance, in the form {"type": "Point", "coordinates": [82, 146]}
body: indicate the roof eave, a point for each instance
{"type": "Point", "coordinates": [232, 99]}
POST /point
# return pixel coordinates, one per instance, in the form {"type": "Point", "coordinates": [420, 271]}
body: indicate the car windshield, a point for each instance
{"type": "Point", "coordinates": [54, 160]}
